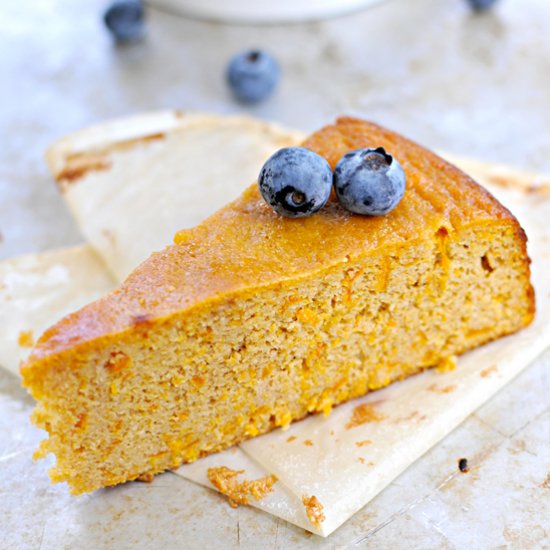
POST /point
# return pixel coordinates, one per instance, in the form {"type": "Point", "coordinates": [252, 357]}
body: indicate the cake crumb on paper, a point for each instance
{"type": "Point", "coordinates": [26, 339]}
{"type": "Point", "coordinates": [308, 443]}
{"type": "Point", "coordinates": [414, 416]}
{"type": "Point", "coordinates": [147, 477]}
{"type": "Point", "coordinates": [363, 443]}
{"type": "Point", "coordinates": [485, 373]}
{"type": "Point", "coordinates": [363, 414]}
{"type": "Point", "coordinates": [446, 364]}
{"type": "Point", "coordinates": [314, 510]}
{"type": "Point", "coordinates": [442, 389]}
{"type": "Point", "coordinates": [225, 480]}
{"type": "Point", "coordinates": [291, 438]}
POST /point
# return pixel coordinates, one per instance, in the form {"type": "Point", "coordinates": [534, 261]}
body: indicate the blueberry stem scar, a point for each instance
{"type": "Point", "coordinates": [298, 197]}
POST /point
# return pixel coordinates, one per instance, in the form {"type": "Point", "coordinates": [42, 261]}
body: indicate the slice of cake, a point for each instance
{"type": "Point", "coordinates": [250, 320]}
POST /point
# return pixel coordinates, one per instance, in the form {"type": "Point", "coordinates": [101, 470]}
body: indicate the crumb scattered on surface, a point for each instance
{"type": "Point", "coordinates": [517, 447]}
{"type": "Point", "coordinates": [442, 389]}
{"type": "Point", "coordinates": [446, 364]}
{"type": "Point", "coordinates": [415, 415]}
{"type": "Point", "coordinates": [546, 483]}
{"type": "Point", "coordinates": [291, 438]}
{"type": "Point", "coordinates": [308, 443]}
{"type": "Point", "coordinates": [463, 465]}
{"type": "Point", "coordinates": [146, 478]}
{"type": "Point", "coordinates": [485, 373]}
{"type": "Point", "coordinates": [314, 510]}
{"type": "Point", "coordinates": [26, 339]}
{"type": "Point", "coordinates": [363, 414]}
{"type": "Point", "coordinates": [238, 492]}
{"type": "Point", "coordinates": [361, 460]}
{"type": "Point", "coordinates": [363, 443]}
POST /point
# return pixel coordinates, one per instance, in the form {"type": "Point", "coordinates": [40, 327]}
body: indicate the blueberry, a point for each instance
{"type": "Point", "coordinates": [125, 20]}
{"type": "Point", "coordinates": [481, 5]}
{"type": "Point", "coordinates": [295, 182]}
{"type": "Point", "coordinates": [252, 75]}
{"type": "Point", "coordinates": [369, 181]}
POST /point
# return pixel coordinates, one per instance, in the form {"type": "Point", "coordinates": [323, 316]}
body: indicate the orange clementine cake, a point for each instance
{"type": "Point", "coordinates": [251, 320]}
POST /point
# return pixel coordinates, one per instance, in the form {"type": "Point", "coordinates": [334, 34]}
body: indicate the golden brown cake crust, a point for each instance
{"type": "Point", "coordinates": [228, 252]}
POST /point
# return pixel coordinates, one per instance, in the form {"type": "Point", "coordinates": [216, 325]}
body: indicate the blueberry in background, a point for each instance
{"type": "Point", "coordinates": [295, 182]}
{"type": "Point", "coordinates": [369, 182]}
{"type": "Point", "coordinates": [482, 5]}
{"type": "Point", "coordinates": [252, 75]}
{"type": "Point", "coordinates": [125, 20]}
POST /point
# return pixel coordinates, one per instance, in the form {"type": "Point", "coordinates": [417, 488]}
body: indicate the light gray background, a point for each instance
{"type": "Point", "coordinates": [474, 85]}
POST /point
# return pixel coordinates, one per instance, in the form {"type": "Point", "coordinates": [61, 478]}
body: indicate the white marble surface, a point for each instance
{"type": "Point", "coordinates": [473, 85]}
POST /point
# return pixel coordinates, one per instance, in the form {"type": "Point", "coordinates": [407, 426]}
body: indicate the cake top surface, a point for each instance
{"type": "Point", "coordinates": [246, 245]}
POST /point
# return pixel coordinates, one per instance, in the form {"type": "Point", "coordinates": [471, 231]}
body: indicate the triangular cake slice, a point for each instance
{"type": "Point", "coordinates": [250, 320]}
